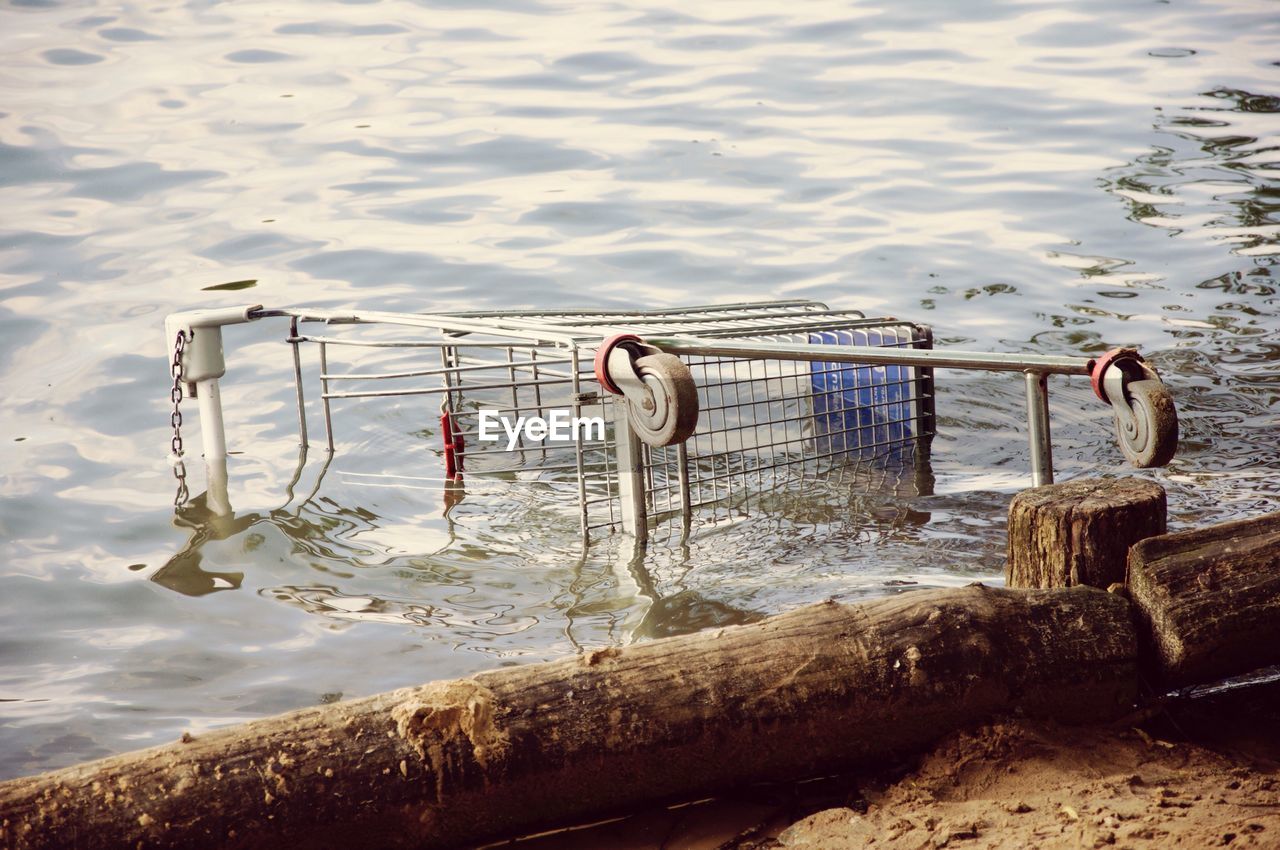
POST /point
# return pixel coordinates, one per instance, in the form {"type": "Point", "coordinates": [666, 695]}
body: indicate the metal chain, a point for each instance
{"type": "Point", "coordinates": [175, 420]}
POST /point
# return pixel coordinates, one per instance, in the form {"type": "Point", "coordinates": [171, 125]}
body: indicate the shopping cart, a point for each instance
{"type": "Point", "coordinates": [645, 418]}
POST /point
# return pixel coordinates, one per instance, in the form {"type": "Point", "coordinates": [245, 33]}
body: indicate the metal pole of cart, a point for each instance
{"type": "Point", "coordinates": [213, 439]}
{"type": "Point", "coordinates": [631, 481]}
{"type": "Point", "coordinates": [1038, 428]}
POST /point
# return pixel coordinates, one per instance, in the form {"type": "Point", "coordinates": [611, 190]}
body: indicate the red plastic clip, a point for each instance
{"type": "Point", "coordinates": [1106, 361]}
{"type": "Point", "coordinates": [602, 359]}
{"type": "Point", "coordinates": [454, 448]}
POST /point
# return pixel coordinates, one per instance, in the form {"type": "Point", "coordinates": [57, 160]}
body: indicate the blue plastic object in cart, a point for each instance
{"type": "Point", "coordinates": [862, 411]}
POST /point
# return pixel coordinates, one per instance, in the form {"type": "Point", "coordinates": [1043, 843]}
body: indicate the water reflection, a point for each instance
{"type": "Point", "coordinates": [683, 580]}
{"type": "Point", "coordinates": [182, 572]}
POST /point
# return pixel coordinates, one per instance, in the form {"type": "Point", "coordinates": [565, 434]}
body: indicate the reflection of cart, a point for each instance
{"type": "Point", "coordinates": [694, 406]}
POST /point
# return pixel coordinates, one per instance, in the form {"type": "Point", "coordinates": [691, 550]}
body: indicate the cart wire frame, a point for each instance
{"type": "Point", "coordinates": [704, 405]}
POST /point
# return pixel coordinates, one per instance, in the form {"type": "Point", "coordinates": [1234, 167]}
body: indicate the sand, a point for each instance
{"type": "Point", "coordinates": [1192, 773]}
{"type": "Point", "coordinates": [1015, 785]}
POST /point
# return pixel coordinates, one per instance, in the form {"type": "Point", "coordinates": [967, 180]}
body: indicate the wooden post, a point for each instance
{"type": "Point", "coordinates": [1210, 598]}
{"type": "Point", "coordinates": [1079, 532]}
{"type": "Point", "coordinates": [515, 749]}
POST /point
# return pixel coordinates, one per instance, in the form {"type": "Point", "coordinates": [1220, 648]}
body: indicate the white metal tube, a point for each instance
{"type": "Point", "coordinates": [213, 439]}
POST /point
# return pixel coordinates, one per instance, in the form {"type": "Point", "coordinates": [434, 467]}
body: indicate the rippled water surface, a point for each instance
{"type": "Point", "coordinates": [1035, 176]}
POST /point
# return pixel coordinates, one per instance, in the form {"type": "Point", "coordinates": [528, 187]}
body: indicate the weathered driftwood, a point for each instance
{"type": "Point", "coordinates": [1210, 598]}
{"type": "Point", "coordinates": [510, 750]}
{"type": "Point", "coordinates": [1079, 532]}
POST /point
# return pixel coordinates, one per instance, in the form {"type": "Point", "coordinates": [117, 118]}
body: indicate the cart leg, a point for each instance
{"type": "Point", "coordinates": [293, 341]}
{"type": "Point", "coordinates": [631, 489]}
{"type": "Point", "coordinates": [1038, 426]}
{"type": "Point", "coordinates": [213, 437]}
{"type": "Point", "coordinates": [324, 395]}
{"type": "Point", "coordinates": [686, 495]}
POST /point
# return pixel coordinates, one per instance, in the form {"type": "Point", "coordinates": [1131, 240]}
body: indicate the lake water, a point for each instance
{"type": "Point", "coordinates": [1025, 176]}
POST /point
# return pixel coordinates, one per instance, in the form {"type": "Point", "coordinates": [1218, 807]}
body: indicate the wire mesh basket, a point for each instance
{"type": "Point", "coordinates": [646, 418]}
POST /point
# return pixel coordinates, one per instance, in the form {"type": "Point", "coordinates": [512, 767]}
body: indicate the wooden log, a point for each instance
{"type": "Point", "coordinates": [1079, 532]}
{"type": "Point", "coordinates": [1210, 598]}
{"type": "Point", "coordinates": [515, 749]}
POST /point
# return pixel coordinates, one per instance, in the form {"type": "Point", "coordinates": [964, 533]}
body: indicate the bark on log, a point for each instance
{"type": "Point", "coordinates": [514, 749]}
{"type": "Point", "coordinates": [1079, 532]}
{"type": "Point", "coordinates": [1210, 598]}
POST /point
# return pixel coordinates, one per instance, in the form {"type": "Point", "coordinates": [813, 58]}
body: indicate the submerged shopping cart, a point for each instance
{"type": "Point", "coordinates": [646, 417]}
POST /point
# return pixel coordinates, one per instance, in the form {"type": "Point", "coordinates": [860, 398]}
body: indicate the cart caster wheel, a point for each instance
{"type": "Point", "coordinates": [668, 414]}
{"type": "Point", "coordinates": [1149, 434]}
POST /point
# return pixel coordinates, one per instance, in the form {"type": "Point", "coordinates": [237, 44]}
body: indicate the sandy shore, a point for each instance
{"type": "Point", "coordinates": [1201, 774]}
{"type": "Point", "coordinates": [1016, 785]}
